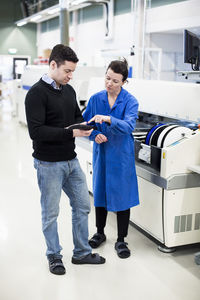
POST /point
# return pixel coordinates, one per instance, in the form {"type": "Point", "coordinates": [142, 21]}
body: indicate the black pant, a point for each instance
{"type": "Point", "coordinates": [122, 221]}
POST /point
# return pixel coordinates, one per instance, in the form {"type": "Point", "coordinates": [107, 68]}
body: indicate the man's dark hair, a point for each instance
{"type": "Point", "coordinates": [120, 67]}
{"type": "Point", "coordinates": [60, 53]}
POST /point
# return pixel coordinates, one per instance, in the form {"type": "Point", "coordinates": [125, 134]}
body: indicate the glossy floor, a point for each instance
{"type": "Point", "coordinates": [147, 274]}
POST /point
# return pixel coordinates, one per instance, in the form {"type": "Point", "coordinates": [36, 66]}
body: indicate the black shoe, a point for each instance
{"type": "Point", "coordinates": [56, 265]}
{"type": "Point", "coordinates": [90, 259]}
{"type": "Point", "coordinates": [122, 249]}
{"type": "Point", "coordinates": [97, 240]}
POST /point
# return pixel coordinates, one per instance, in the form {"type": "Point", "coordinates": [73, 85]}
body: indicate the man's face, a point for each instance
{"type": "Point", "coordinates": [63, 73]}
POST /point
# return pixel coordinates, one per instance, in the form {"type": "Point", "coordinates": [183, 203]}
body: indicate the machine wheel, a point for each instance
{"type": "Point", "coordinates": [165, 249]}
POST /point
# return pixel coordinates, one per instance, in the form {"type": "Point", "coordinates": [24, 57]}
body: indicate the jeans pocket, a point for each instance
{"type": "Point", "coordinates": [46, 163]}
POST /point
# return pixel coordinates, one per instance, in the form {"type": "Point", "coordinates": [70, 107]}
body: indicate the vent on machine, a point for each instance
{"type": "Point", "coordinates": [183, 223]}
{"type": "Point", "coordinates": [197, 221]}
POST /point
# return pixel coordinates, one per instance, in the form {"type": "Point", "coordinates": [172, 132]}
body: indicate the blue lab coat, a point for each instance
{"type": "Point", "coordinates": [114, 177]}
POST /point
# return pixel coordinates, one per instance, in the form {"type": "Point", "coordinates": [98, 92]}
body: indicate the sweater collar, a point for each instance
{"type": "Point", "coordinates": [49, 86]}
{"type": "Point", "coordinates": [50, 81]}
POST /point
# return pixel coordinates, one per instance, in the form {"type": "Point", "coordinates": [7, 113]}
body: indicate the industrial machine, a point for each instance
{"type": "Point", "coordinates": [33, 73]}
{"type": "Point", "coordinates": [167, 155]}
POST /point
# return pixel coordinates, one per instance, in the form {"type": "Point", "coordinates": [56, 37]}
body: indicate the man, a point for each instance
{"type": "Point", "coordinates": [50, 108]}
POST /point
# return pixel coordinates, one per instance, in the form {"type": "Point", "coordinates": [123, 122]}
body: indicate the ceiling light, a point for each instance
{"type": "Point", "coordinates": [35, 18]}
{"type": "Point", "coordinates": [21, 23]}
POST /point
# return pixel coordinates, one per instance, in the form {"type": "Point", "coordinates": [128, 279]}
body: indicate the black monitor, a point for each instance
{"type": "Point", "coordinates": [191, 49]}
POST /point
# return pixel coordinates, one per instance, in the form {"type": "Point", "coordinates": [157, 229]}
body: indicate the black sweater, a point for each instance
{"type": "Point", "coordinates": [48, 111]}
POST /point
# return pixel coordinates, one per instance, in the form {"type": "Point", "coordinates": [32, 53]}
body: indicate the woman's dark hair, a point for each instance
{"type": "Point", "coordinates": [60, 53]}
{"type": "Point", "coordinates": [120, 67]}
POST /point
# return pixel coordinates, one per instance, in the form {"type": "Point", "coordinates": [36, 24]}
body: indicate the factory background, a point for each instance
{"type": "Point", "coordinates": [150, 35]}
{"type": "Point", "coordinates": [161, 30]}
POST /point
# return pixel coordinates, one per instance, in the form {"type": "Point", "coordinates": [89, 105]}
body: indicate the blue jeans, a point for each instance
{"type": "Point", "coordinates": [53, 177]}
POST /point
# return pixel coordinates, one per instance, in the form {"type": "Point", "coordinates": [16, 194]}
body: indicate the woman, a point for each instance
{"type": "Point", "coordinates": [114, 111]}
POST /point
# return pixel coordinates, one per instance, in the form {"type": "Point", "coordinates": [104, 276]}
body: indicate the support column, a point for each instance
{"type": "Point", "coordinates": [139, 35]}
{"type": "Point", "coordinates": [64, 22]}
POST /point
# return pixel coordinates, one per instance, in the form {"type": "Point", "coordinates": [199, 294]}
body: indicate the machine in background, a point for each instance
{"type": "Point", "coordinates": [33, 73]}
{"type": "Point", "coordinates": [167, 160]}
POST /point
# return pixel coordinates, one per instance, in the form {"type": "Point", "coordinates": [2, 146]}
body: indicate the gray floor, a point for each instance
{"type": "Point", "coordinates": [147, 274]}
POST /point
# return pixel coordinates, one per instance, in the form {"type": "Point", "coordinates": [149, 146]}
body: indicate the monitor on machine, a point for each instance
{"type": "Point", "coordinates": [191, 50]}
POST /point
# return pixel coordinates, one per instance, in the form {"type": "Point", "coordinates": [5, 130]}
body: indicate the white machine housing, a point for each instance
{"type": "Point", "coordinates": [33, 73]}
{"type": "Point", "coordinates": [169, 207]}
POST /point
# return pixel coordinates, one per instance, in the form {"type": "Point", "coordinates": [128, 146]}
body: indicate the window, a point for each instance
{"type": "Point", "coordinates": [90, 13]}
{"type": "Point", "coordinates": [155, 3]}
{"type": "Point", "coordinates": [122, 7]}
{"type": "Point", "coordinates": [53, 24]}
{"type": "Point", "coordinates": [49, 25]}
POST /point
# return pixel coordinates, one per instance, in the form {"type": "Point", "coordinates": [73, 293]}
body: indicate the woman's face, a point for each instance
{"type": "Point", "coordinates": [113, 82]}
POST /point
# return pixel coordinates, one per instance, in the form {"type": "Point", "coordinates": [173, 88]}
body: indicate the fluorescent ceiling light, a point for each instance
{"type": "Point", "coordinates": [35, 18]}
{"type": "Point", "coordinates": [21, 23]}
{"type": "Point", "coordinates": [53, 11]}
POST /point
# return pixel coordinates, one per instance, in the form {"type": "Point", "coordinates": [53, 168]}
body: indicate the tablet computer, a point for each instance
{"type": "Point", "coordinates": [81, 127]}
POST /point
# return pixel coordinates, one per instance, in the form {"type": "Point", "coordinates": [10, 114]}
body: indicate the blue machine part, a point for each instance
{"type": "Point", "coordinates": [151, 131]}
{"type": "Point", "coordinates": [26, 87]}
